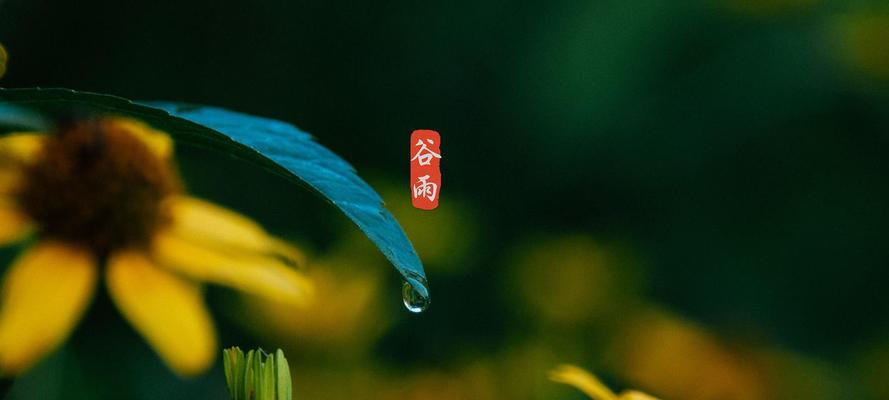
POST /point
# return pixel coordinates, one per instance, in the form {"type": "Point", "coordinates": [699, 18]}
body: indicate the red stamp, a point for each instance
{"type": "Point", "coordinates": [425, 169]}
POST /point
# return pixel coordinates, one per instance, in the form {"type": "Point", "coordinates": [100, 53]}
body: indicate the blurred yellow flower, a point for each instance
{"type": "Point", "coordinates": [788, 375]}
{"type": "Point", "coordinates": [104, 191]}
{"type": "Point", "coordinates": [863, 40]}
{"type": "Point", "coordinates": [592, 386]}
{"type": "Point", "coordinates": [445, 239]}
{"type": "Point", "coordinates": [682, 361]}
{"type": "Point", "coordinates": [574, 278]}
{"type": "Point", "coordinates": [474, 380]}
{"type": "Point", "coordinates": [347, 322]}
{"type": "Point", "coordinates": [4, 56]}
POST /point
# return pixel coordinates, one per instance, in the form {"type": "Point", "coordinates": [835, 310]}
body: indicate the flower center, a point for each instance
{"type": "Point", "coordinates": [98, 184]}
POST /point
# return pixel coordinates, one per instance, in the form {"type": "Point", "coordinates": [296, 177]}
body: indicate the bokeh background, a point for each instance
{"type": "Point", "coordinates": [689, 198]}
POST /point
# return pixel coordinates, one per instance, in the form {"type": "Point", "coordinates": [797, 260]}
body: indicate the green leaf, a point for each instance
{"type": "Point", "coordinates": [241, 375]}
{"type": "Point", "coordinates": [275, 145]}
{"type": "Point", "coordinates": [249, 380]}
{"type": "Point", "coordinates": [235, 365]}
{"type": "Point", "coordinates": [18, 118]}
{"type": "Point", "coordinates": [284, 383]}
{"type": "Point", "coordinates": [255, 373]}
{"type": "Point", "coordinates": [229, 361]}
{"type": "Point", "coordinates": [264, 376]}
{"type": "Point", "coordinates": [268, 386]}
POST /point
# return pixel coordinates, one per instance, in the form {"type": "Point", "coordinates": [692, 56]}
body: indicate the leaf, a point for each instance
{"type": "Point", "coordinates": [283, 380]}
{"type": "Point", "coordinates": [275, 145]}
{"type": "Point", "coordinates": [268, 385]}
{"type": "Point", "coordinates": [229, 363]}
{"type": "Point", "coordinates": [21, 118]}
{"type": "Point", "coordinates": [256, 384]}
{"type": "Point", "coordinates": [249, 378]}
{"type": "Point", "coordinates": [264, 376]}
{"type": "Point", "coordinates": [235, 367]}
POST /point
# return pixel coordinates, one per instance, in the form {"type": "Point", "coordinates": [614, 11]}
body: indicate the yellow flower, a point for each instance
{"type": "Point", "coordinates": [591, 386]}
{"type": "Point", "coordinates": [103, 191]}
{"type": "Point", "coordinates": [3, 57]}
{"type": "Point", "coordinates": [863, 42]}
{"type": "Point", "coordinates": [682, 360]}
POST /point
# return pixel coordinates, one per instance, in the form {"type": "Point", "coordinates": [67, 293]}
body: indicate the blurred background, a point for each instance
{"type": "Point", "coordinates": [687, 198]}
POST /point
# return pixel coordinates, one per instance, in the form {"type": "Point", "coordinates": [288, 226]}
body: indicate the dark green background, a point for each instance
{"type": "Point", "coordinates": [738, 152]}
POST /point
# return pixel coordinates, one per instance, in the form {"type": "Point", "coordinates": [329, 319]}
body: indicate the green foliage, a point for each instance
{"type": "Point", "coordinates": [256, 375]}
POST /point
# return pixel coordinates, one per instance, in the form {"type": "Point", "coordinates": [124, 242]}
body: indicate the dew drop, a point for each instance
{"type": "Point", "coordinates": [414, 301]}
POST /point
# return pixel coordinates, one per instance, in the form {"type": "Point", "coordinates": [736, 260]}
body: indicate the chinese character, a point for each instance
{"type": "Point", "coordinates": [424, 151]}
{"type": "Point", "coordinates": [425, 189]}
{"type": "Point", "coordinates": [424, 155]}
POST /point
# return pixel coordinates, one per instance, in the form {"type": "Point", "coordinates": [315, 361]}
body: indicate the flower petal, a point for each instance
{"type": "Point", "coordinates": [16, 151]}
{"type": "Point", "coordinates": [226, 230]}
{"type": "Point", "coordinates": [3, 57]}
{"type": "Point", "coordinates": [20, 146]}
{"type": "Point", "coordinates": [634, 395]}
{"type": "Point", "coordinates": [157, 141]}
{"type": "Point", "coordinates": [167, 310]}
{"type": "Point", "coordinates": [583, 381]}
{"type": "Point", "coordinates": [44, 294]}
{"type": "Point", "coordinates": [263, 276]}
{"type": "Point", "coordinates": [14, 225]}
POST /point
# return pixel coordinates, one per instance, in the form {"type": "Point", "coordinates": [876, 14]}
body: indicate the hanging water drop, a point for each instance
{"type": "Point", "coordinates": [414, 301]}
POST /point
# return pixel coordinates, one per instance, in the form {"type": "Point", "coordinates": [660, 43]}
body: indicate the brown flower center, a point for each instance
{"type": "Point", "coordinates": [97, 184]}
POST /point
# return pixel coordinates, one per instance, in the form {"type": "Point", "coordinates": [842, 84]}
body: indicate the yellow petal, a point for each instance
{"type": "Point", "coordinates": [21, 146]}
{"type": "Point", "coordinates": [263, 276]}
{"type": "Point", "coordinates": [10, 179]}
{"type": "Point", "coordinates": [226, 230]}
{"type": "Point", "coordinates": [583, 381]}
{"type": "Point", "coordinates": [14, 225]}
{"type": "Point", "coordinates": [167, 310]}
{"type": "Point", "coordinates": [3, 57]}
{"type": "Point", "coordinates": [44, 294]}
{"type": "Point", "coordinates": [634, 395]}
{"type": "Point", "coordinates": [16, 151]}
{"type": "Point", "coordinates": [158, 141]}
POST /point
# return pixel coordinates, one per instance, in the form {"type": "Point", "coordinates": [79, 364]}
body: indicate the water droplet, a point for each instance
{"type": "Point", "coordinates": [414, 301]}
